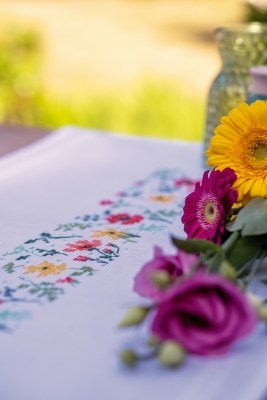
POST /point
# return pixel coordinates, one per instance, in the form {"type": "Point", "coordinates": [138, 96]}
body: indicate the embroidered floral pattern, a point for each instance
{"type": "Point", "coordinates": [80, 248]}
{"type": "Point", "coordinates": [82, 245]}
{"type": "Point", "coordinates": [187, 182]}
{"type": "Point", "coordinates": [66, 280]}
{"type": "Point", "coordinates": [124, 219]}
{"type": "Point", "coordinates": [113, 234]}
{"type": "Point", "coordinates": [106, 202]}
{"type": "Point", "coordinates": [161, 198]}
{"type": "Point", "coordinates": [46, 268]}
{"type": "Point", "coordinates": [81, 258]}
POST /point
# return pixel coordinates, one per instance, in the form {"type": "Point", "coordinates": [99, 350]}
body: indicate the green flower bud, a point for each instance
{"type": "Point", "coordinates": [254, 300]}
{"type": "Point", "coordinates": [134, 316]}
{"type": "Point", "coordinates": [263, 313]}
{"type": "Point", "coordinates": [128, 357]}
{"type": "Point", "coordinates": [152, 341]}
{"type": "Point", "coordinates": [228, 271]}
{"type": "Point", "coordinates": [258, 305]}
{"type": "Point", "coordinates": [161, 279]}
{"type": "Point", "coordinates": [171, 354]}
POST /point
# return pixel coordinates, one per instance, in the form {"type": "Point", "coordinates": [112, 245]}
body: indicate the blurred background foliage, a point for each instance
{"type": "Point", "coordinates": [153, 107]}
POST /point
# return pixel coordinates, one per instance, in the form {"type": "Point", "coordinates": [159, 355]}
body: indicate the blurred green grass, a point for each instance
{"type": "Point", "coordinates": [156, 109]}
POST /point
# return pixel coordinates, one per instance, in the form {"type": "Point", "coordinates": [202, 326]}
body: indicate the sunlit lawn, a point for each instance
{"type": "Point", "coordinates": [158, 110]}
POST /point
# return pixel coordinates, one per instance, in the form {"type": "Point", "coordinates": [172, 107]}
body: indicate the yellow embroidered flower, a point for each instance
{"type": "Point", "coordinates": [46, 268]}
{"type": "Point", "coordinates": [240, 142]}
{"type": "Point", "coordinates": [112, 233]}
{"type": "Point", "coordinates": [161, 198]}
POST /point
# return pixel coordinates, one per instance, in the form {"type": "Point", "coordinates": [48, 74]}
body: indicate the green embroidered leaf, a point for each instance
{"type": "Point", "coordinates": [51, 293]}
{"type": "Point", "coordinates": [244, 249]}
{"type": "Point", "coordinates": [252, 219]}
{"type": "Point", "coordinates": [9, 268]}
{"type": "Point", "coordinates": [34, 290]}
{"type": "Point", "coordinates": [71, 226]}
{"type": "Point", "coordinates": [84, 270]}
{"type": "Point", "coordinates": [165, 213]}
{"type": "Point", "coordinates": [195, 245]}
{"type": "Point", "coordinates": [264, 281]}
{"type": "Point", "coordinates": [23, 286]}
{"type": "Point", "coordinates": [74, 282]}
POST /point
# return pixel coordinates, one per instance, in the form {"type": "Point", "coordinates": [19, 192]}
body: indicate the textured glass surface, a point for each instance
{"type": "Point", "coordinates": [254, 97]}
{"type": "Point", "coordinates": [240, 48]}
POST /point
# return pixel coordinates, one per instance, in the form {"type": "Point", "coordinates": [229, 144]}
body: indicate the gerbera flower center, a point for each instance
{"type": "Point", "coordinates": [254, 148]}
{"type": "Point", "coordinates": [260, 152]}
{"type": "Point", "coordinates": [207, 211]}
{"type": "Point", "coordinates": [210, 211]}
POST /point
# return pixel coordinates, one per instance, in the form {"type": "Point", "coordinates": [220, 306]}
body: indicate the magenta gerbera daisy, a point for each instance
{"type": "Point", "coordinates": [206, 208]}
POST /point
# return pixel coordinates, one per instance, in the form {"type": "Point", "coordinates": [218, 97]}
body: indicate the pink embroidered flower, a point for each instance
{"type": "Point", "coordinates": [121, 194]}
{"type": "Point", "coordinates": [176, 265]}
{"type": "Point", "coordinates": [125, 219]}
{"type": "Point", "coordinates": [106, 202]}
{"type": "Point", "coordinates": [1, 302]}
{"type": "Point", "coordinates": [66, 280]}
{"type": "Point", "coordinates": [188, 182]}
{"type": "Point", "coordinates": [81, 258]}
{"type": "Point", "coordinates": [107, 251]}
{"type": "Point", "coordinates": [206, 208]}
{"type": "Point", "coordinates": [81, 245]}
{"type": "Point", "coordinates": [206, 314]}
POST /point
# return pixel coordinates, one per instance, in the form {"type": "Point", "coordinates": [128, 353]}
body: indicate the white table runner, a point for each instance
{"type": "Point", "coordinates": [80, 214]}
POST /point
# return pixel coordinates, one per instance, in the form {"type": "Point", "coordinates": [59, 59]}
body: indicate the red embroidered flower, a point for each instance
{"type": "Point", "coordinates": [66, 280]}
{"type": "Point", "coordinates": [1, 302]}
{"type": "Point", "coordinates": [81, 258]}
{"type": "Point", "coordinates": [107, 251]}
{"type": "Point", "coordinates": [188, 182]}
{"type": "Point", "coordinates": [106, 202]}
{"type": "Point", "coordinates": [82, 245]}
{"type": "Point", "coordinates": [109, 244]}
{"type": "Point", "coordinates": [125, 219]}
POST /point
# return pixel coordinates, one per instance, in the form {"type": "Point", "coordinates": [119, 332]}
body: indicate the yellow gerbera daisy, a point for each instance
{"type": "Point", "coordinates": [240, 142]}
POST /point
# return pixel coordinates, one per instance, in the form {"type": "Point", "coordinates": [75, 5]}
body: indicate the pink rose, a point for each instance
{"type": "Point", "coordinates": [205, 314]}
{"type": "Point", "coordinates": [176, 266]}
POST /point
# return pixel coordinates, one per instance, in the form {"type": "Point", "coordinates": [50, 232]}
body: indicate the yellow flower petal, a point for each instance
{"type": "Point", "coordinates": [255, 189]}
{"type": "Point", "coordinates": [239, 119]}
{"type": "Point", "coordinates": [240, 143]}
{"type": "Point", "coordinates": [259, 112]}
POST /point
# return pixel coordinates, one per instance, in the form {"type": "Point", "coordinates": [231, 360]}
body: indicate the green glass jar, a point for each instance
{"type": "Point", "coordinates": [241, 48]}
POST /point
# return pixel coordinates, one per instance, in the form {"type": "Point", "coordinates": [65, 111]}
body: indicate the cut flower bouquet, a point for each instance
{"type": "Point", "coordinates": [200, 302]}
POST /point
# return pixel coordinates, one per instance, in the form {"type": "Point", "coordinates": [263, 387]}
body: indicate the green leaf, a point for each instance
{"type": "Point", "coordinates": [252, 219]}
{"type": "Point", "coordinates": [9, 268]}
{"type": "Point", "coordinates": [244, 249]}
{"type": "Point", "coordinates": [264, 281]}
{"type": "Point", "coordinates": [195, 245]}
{"type": "Point", "coordinates": [23, 286]}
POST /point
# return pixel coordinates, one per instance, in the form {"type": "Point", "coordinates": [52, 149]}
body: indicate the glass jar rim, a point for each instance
{"type": "Point", "coordinates": [252, 28]}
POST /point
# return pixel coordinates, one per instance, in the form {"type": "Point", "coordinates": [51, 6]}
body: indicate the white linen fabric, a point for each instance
{"type": "Point", "coordinates": [80, 214]}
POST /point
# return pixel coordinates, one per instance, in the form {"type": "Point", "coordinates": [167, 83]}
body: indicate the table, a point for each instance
{"type": "Point", "coordinates": [67, 265]}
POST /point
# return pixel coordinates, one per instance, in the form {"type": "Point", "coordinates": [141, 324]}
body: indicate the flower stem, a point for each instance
{"type": "Point", "coordinates": [255, 268]}
{"type": "Point", "coordinates": [195, 266]}
{"type": "Point", "coordinates": [230, 241]}
{"type": "Point", "coordinates": [247, 264]}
